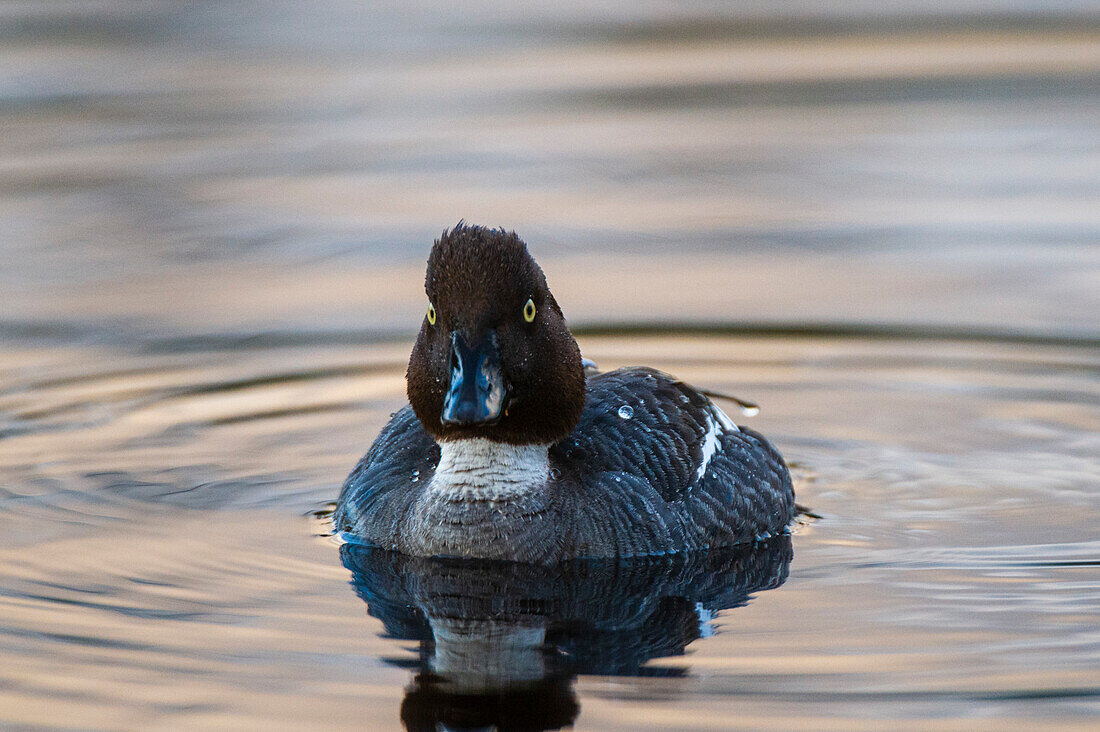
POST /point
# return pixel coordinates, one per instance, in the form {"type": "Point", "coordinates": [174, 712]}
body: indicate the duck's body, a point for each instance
{"type": "Point", "coordinates": [540, 464]}
{"type": "Point", "coordinates": [674, 476]}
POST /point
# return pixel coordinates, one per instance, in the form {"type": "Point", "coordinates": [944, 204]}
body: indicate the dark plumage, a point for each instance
{"type": "Point", "coordinates": [479, 280]}
{"type": "Point", "coordinates": [627, 463]}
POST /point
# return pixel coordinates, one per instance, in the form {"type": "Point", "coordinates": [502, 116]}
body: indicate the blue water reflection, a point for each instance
{"type": "Point", "coordinates": [500, 643]}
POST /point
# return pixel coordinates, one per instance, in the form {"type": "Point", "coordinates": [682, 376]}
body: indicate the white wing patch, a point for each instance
{"type": "Point", "coordinates": [723, 418]}
{"type": "Point", "coordinates": [717, 424]}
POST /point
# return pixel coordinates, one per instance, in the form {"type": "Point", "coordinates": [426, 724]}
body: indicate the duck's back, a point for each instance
{"type": "Point", "coordinates": [658, 468]}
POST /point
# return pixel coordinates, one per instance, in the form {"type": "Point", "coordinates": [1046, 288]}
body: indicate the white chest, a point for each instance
{"type": "Point", "coordinates": [482, 470]}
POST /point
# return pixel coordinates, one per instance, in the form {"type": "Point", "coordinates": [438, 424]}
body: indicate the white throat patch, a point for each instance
{"type": "Point", "coordinates": [479, 469]}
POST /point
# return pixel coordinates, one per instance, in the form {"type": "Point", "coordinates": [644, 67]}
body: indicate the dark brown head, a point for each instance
{"type": "Point", "coordinates": [494, 358]}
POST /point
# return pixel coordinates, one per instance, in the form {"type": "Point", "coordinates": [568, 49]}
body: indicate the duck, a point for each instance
{"type": "Point", "coordinates": [511, 449]}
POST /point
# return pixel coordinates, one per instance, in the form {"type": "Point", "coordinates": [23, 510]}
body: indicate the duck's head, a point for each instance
{"type": "Point", "coordinates": [494, 358]}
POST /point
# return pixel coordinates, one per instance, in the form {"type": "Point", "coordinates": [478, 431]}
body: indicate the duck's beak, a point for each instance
{"type": "Point", "coordinates": [478, 391]}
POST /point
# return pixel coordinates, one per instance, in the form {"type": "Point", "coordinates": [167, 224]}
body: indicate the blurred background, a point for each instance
{"type": "Point", "coordinates": [172, 169]}
{"type": "Point", "coordinates": [880, 220]}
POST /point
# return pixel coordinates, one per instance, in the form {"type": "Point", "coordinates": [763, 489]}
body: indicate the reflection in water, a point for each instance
{"type": "Point", "coordinates": [500, 643]}
{"type": "Point", "coordinates": [877, 219]}
{"type": "Point", "coordinates": [150, 542]}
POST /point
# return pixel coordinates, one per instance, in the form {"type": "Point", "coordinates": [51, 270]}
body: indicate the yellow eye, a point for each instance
{"type": "Point", "coordinates": [431, 313]}
{"type": "Point", "coordinates": [529, 310]}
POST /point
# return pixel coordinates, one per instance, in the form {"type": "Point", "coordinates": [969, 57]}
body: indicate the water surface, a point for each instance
{"type": "Point", "coordinates": [880, 223]}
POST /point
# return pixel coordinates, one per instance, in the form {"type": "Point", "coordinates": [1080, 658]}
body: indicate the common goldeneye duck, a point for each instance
{"type": "Point", "coordinates": [508, 451]}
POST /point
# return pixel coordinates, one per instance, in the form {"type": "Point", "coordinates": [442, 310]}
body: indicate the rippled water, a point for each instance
{"type": "Point", "coordinates": [158, 564]}
{"type": "Point", "coordinates": [878, 221]}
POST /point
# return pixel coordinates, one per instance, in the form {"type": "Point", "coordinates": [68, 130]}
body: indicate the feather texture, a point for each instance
{"type": "Point", "coordinates": [652, 467]}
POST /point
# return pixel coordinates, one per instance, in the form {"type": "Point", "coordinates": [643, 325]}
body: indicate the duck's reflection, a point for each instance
{"type": "Point", "coordinates": [501, 643]}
